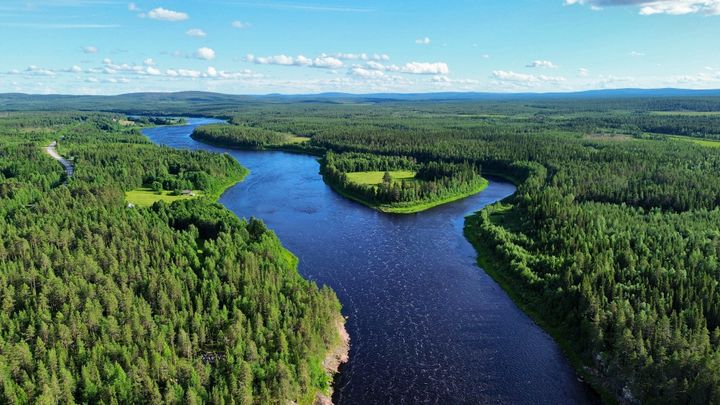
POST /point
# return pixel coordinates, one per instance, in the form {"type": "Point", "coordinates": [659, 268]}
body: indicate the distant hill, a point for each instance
{"type": "Point", "coordinates": [199, 101]}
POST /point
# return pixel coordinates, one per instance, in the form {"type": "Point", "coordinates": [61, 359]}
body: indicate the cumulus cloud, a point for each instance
{"type": "Point", "coordinates": [366, 73]}
{"type": "Point", "coordinates": [525, 79]}
{"type": "Point", "coordinates": [650, 7]}
{"type": "Point", "coordinates": [362, 56]}
{"type": "Point", "coordinates": [637, 54]}
{"type": "Point", "coordinates": [542, 64]}
{"type": "Point", "coordinates": [583, 72]}
{"type": "Point", "coordinates": [205, 53]}
{"type": "Point", "coordinates": [195, 32]}
{"type": "Point", "coordinates": [90, 49]}
{"type": "Point", "coordinates": [164, 14]}
{"type": "Point", "coordinates": [240, 25]}
{"type": "Point", "coordinates": [425, 68]}
{"type": "Point", "coordinates": [37, 70]}
{"type": "Point", "coordinates": [322, 61]}
{"type": "Point", "coordinates": [149, 62]}
{"type": "Point", "coordinates": [423, 41]}
{"type": "Point", "coordinates": [418, 68]}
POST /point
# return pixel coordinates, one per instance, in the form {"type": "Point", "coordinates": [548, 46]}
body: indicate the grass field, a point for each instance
{"type": "Point", "coordinates": [686, 113]}
{"type": "Point", "coordinates": [297, 139]}
{"type": "Point", "coordinates": [377, 177]}
{"type": "Point", "coordinates": [698, 141]}
{"type": "Point", "coordinates": [145, 197]}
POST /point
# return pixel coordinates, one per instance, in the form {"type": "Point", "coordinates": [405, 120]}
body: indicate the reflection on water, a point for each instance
{"type": "Point", "coordinates": [427, 325]}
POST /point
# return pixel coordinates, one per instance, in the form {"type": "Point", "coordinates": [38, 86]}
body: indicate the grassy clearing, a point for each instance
{"type": "Point", "coordinates": [698, 141]}
{"type": "Point", "coordinates": [145, 197]}
{"type": "Point", "coordinates": [374, 178]}
{"type": "Point", "coordinates": [686, 113]}
{"type": "Point", "coordinates": [292, 139]}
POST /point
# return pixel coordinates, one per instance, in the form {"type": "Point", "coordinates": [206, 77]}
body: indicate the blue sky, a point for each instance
{"type": "Point", "coordinates": [293, 46]}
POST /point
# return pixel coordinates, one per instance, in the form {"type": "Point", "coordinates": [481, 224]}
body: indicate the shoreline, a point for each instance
{"type": "Point", "coordinates": [493, 267]}
{"type": "Point", "coordinates": [336, 356]}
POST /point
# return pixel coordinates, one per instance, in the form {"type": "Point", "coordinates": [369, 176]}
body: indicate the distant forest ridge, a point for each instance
{"type": "Point", "coordinates": [178, 102]}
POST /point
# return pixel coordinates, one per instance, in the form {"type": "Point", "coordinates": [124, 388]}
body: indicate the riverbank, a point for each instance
{"type": "Point", "coordinates": [337, 354]}
{"type": "Point", "coordinates": [529, 303]}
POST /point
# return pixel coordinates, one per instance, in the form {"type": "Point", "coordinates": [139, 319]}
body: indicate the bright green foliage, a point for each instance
{"type": "Point", "coordinates": [180, 303]}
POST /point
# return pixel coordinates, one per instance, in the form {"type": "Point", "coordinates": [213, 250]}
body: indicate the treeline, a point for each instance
{"type": "Point", "coordinates": [433, 181]}
{"type": "Point", "coordinates": [181, 303]}
{"type": "Point", "coordinates": [612, 236]}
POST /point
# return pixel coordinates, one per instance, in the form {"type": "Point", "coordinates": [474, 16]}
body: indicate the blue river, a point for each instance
{"type": "Point", "coordinates": [427, 325]}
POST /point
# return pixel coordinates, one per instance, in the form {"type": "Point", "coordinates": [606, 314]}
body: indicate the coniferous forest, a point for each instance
{"type": "Point", "coordinates": [102, 302]}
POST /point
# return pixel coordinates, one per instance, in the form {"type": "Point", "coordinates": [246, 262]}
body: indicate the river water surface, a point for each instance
{"type": "Point", "coordinates": [426, 324]}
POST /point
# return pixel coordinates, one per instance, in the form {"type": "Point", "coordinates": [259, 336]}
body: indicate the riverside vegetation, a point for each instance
{"type": "Point", "coordinates": [176, 303]}
{"type": "Point", "coordinates": [612, 239]}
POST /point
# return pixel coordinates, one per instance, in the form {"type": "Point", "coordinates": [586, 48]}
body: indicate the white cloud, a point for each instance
{"type": "Point", "coordinates": [322, 61]}
{"type": "Point", "coordinates": [133, 7]}
{"type": "Point", "coordinates": [149, 62]}
{"type": "Point", "coordinates": [36, 70]}
{"type": "Point", "coordinates": [328, 62]}
{"type": "Point", "coordinates": [90, 49]}
{"type": "Point", "coordinates": [637, 54]}
{"type": "Point", "coordinates": [205, 53]}
{"type": "Point", "coordinates": [362, 56]}
{"type": "Point", "coordinates": [651, 7]}
{"type": "Point", "coordinates": [75, 69]}
{"type": "Point", "coordinates": [240, 25]}
{"type": "Point", "coordinates": [524, 79]}
{"type": "Point", "coordinates": [423, 41]}
{"type": "Point", "coordinates": [195, 32]}
{"type": "Point", "coordinates": [542, 64]}
{"type": "Point", "coordinates": [418, 68]}
{"type": "Point", "coordinates": [152, 71]}
{"type": "Point", "coordinates": [583, 72]}
{"type": "Point", "coordinates": [367, 74]}
{"type": "Point", "coordinates": [164, 14]}
{"type": "Point", "coordinates": [425, 68]}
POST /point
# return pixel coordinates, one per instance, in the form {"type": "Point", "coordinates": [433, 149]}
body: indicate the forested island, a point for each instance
{"type": "Point", "coordinates": [103, 302]}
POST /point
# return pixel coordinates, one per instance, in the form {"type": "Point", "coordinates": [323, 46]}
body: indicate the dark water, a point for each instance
{"type": "Point", "coordinates": [427, 325]}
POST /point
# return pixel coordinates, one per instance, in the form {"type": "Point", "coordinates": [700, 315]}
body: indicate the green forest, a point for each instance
{"type": "Point", "coordinates": [180, 303]}
{"type": "Point", "coordinates": [612, 240]}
